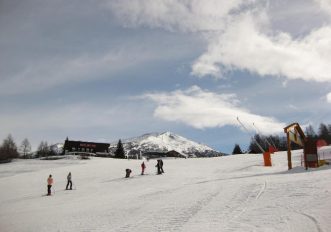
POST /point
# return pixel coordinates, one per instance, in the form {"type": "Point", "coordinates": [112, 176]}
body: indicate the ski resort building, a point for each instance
{"type": "Point", "coordinates": [83, 147]}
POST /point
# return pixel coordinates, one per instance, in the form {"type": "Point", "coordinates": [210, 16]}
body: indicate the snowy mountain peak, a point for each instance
{"type": "Point", "coordinates": [164, 142]}
{"type": "Point", "coordinates": [170, 135]}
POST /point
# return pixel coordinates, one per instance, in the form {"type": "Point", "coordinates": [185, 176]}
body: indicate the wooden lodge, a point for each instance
{"type": "Point", "coordinates": [81, 147]}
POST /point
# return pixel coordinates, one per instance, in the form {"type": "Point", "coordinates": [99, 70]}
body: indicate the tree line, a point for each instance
{"type": "Point", "coordinates": [9, 150]}
{"type": "Point", "coordinates": [280, 142]}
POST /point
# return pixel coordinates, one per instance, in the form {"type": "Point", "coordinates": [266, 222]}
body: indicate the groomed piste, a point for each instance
{"type": "Point", "coordinates": [230, 193]}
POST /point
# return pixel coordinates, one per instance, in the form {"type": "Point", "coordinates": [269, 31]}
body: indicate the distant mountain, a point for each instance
{"type": "Point", "coordinates": [57, 148]}
{"type": "Point", "coordinates": [165, 142]}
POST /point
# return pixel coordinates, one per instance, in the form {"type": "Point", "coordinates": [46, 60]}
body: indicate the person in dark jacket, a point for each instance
{"type": "Point", "coordinates": [158, 166]}
{"type": "Point", "coordinates": [161, 166]}
{"type": "Point", "coordinates": [127, 172]}
{"type": "Point", "coordinates": [69, 181]}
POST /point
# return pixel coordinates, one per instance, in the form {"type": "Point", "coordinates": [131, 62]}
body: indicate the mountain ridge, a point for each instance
{"type": "Point", "coordinates": [165, 142]}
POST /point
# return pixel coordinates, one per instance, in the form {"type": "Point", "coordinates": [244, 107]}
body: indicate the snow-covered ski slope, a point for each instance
{"type": "Point", "coordinates": [232, 193]}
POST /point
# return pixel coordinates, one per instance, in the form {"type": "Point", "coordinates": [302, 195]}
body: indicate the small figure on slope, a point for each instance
{"type": "Point", "coordinates": [49, 184]}
{"type": "Point", "coordinates": [69, 181]}
{"type": "Point", "coordinates": [158, 166]}
{"type": "Point", "coordinates": [143, 166]}
{"type": "Point", "coordinates": [127, 172]}
{"type": "Point", "coordinates": [161, 165]}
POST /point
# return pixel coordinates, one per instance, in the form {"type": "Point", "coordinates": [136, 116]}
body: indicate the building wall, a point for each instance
{"type": "Point", "coordinates": [82, 146]}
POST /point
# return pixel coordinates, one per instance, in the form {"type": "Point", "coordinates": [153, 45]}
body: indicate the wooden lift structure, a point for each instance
{"type": "Point", "coordinates": [296, 135]}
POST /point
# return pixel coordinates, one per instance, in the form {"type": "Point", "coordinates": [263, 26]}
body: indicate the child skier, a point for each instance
{"type": "Point", "coordinates": [69, 181]}
{"type": "Point", "coordinates": [143, 166]}
{"type": "Point", "coordinates": [49, 185]}
{"type": "Point", "coordinates": [127, 172]}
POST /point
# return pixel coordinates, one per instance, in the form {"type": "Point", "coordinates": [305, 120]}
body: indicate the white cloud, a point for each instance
{"type": "Point", "coordinates": [239, 36]}
{"type": "Point", "coordinates": [183, 15]}
{"type": "Point", "coordinates": [325, 5]}
{"type": "Point", "coordinates": [292, 107]}
{"type": "Point", "coordinates": [203, 109]}
{"type": "Point", "coordinates": [328, 97]}
{"type": "Point", "coordinates": [243, 46]}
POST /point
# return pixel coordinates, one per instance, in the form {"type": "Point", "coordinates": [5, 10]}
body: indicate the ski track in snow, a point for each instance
{"type": "Point", "coordinates": [262, 190]}
{"type": "Point", "coordinates": [307, 216]}
{"type": "Point", "coordinates": [313, 220]}
{"type": "Point", "coordinates": [172, 219]}
{"type": "Point", "coordinates": [227, 212]}
{"type": "Point", "coordinates": [169, 218]}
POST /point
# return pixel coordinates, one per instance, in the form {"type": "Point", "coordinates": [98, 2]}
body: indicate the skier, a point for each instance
{"type": "Point", "coordinates": [49, 185]}
{"type": "Point", "coordinates": [127, 172]}
{"type": "Point", "coordinates": [158, 166]}
{"type": "Point", "coordinates": [69, 181]}
{"type": "Point", "coordinates": [161, 165]}
{"type": "Point", "coordinates": [143, 166]}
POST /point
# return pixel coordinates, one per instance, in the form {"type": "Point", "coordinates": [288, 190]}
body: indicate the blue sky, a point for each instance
{"type": "Point", "coordinates": [110, 69]}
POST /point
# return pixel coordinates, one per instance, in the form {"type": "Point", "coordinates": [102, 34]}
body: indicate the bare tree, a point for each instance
{"type": "Point", "coordinates": [25, 148]}
{"type": "Point", "coordinates": [43, 149]}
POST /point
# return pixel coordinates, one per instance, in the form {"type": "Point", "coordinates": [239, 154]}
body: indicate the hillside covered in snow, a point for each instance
{"type": "Point", "coordinates": [229, 194]}
{"type": "Point", "coordinates": [164, 142]}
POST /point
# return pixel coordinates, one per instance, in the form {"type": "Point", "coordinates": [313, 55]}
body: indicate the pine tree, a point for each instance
{"type": "Point", "coordinates": [236, 150]}
{"type": "Point", "coordinates": [323, 133]}
{"type": "Point", "coordinates": [275, 141]}
{"type": "Point", "coordinates": [119, 153]}
{"type": "Point", "coordinates": [310, 133]}
{"type": "Point", "coordinates": [256, 142]}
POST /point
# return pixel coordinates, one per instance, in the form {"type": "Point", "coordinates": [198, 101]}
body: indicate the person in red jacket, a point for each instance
{"type": "Point", "coordinates": [49, 185]}
{"type": "Point", "coordinates": [143, 166]}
